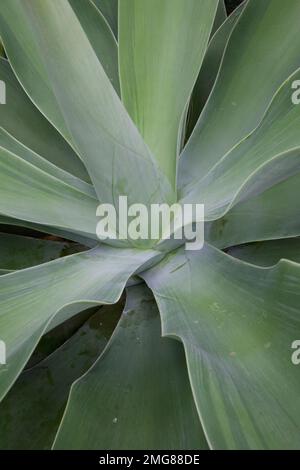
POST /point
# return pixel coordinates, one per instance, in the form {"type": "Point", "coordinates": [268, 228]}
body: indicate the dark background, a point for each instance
{"type": "Point", "coordinates": [232, 4]}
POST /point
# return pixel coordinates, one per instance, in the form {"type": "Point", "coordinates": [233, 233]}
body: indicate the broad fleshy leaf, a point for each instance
{"type": "Point", "coordinates": [30, 413]}
{"type": "Point", "coordinates": [250, 75]}
{"type": "Point", "coordinates": [162, 44]}
{"type": "Point", "coordinates": [27, 59]}
{"type": "Point", "coordinates": [19, 252]}
{"type": "Point", "coordinates": [9, 143]}
{"type": "Point", "coordinates": [269, 252]}
{"type": "Point", "coordinates": [273, 214]}
{"type": "Point", "coordinates": [117, 159]}
{"type": "Point", "coordinates": [26, 192]}
{"type": "Point", "coordinates": [237, 323]}
{"type": "Point", "coordinates": [269, 154]}
{"type": "Point", "coordinates": [18, 224]}
{"type": "Point", "coordinates": [137, 395]}
{"type": "Point", "coordinates": [109, 9]}
{"type": "Point", "coordinates": [20, 119]}
{"type": "Point", "coordinates": [210, 67]}
{"type": "Point", "coordinates": [27, 62]}
{"type": "Point", "coordinates": [220, 17]}
{"type": "Point", "coordinates": [100, 37]}
{"type": "Point", "coordinates": [32, 299]}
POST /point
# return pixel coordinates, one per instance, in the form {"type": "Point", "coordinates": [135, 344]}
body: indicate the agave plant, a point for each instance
{"type": "Point", "coordinates": [161, 101]}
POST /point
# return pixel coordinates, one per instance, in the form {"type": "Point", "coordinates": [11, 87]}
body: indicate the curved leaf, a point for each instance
{"type": "Point", "coordinates": [276, 213]}
{"type": "Point", "coordinates": [31, 299]}
{"type": "Point", "coordinates": [11, 224]}
{"type": "Point", "coordinates": [137, 395]}
{"type": "Point", "coordinates": [268, 144]}
{"type": "Point", "coordinates": [162, 44]}
{"type": "Point", "coordinates": [210, 67]}
{"type": "Point", "coordinates": [20, 118]}
{"type": "Point", "coordinates": [220, 17]}
{"type": "Point", "coordinates": [109, 9]}
{"type": "Point", "coordinates": [269, 252]}
{"type": "Point", "coordinates": [28, 60]}
{"type": "Point", "coordinates": [249, 76]}
{"type": "Point", "coordinates": [237, 323]}
{"type": "Point", "coordinates": [100, 37]}
{"type": "Point", "coordinates": [9, 143]}
{"type": "Point", "coordinates": [115, 155]}
{"type": "Point", "coordinates": [29, 193]}
{"type": "Point", "coordinates": [18, 252]}
{"type": "Point", "coordinates": [31, 412]}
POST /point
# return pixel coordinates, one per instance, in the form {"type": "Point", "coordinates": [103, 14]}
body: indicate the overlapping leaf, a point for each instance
{"type": "Point", "coordinates": [109, 144]}
{"type": "Point", "coordinates": [237, 323]}
{"type": "Point", "coordinates": [158, 70]}
{"type": "Point", "coordinates": [250, 75]}
{"type": "Point", "coordinates": [269, 154]}
{"type": "Point", "coordinates": [137, 395]}
{"type": "Point", "coordinates": [31, 298]}
{"type": "Point", "coordinates": [31, 412]}
{"type": "Point", "coordinates": [19, 252]}
{"type": "Point", "coordinates": [20, 119]}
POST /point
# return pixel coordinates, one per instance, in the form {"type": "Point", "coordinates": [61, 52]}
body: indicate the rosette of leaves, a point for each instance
{"type": "Point", "coordinates": [161, 101]}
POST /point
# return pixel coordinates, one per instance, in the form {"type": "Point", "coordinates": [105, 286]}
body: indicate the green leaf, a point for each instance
{"type": "Point", "coordinates": [29, 193]}
{"type": "Point", "coordinates": [162, 45]}
{"type": "Point", "coordinates": [250, 75]}
{"type": "Point", "coordinates": [137, 394]}
{"type": "Point", "coordinates": [9, 143]}
{"type": "Point", "coordinates": [269, 154]}
{"type": "Point", "coordinates": [31, 412]}
{"type": "Point", "coordinates": [56, 337]}
{"type": "Point", "coordinates": [45, 229]}
{"type": "Point", "coordinates": [220, 17]}
{"type": "Point", "coordinates": [273, 214]}
{"type": "Point", "coordinates": [27, 61]}
{"type": "Point", "coordinates": [268, 253]}
{"type": "Point", "coordinates": [210, 67]}
{"type": "Point", "coordinates": [109, 9]}
{"type": "Point", "coordinates": [115, 155]}
{"type": "Point", "coordinates": [18, 252]}
{"type": "Point", "coordinates": [33, 299]}
{"type": "Point", "coordinates": [20, 119]}
{"type": "Point", "coordinates": [100, 36]}
{"type": "Point", "coordinates": [237, 323]}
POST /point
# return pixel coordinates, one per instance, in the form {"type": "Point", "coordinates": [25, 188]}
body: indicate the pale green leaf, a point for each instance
{"type": "Point", "coordinates": [273, 214]}
{"type": "Point", "coordinates": [26, 192]}
{"type": "Point", "coordinates": [210, 67]}
{"type": "Point", "coordinates": [237, 323]}
{"type": "Point", "coordinates": [109, 9]}
{"type": "Point", "coordinates": [268, 253]}
{"type": "Point", "coordinates": [20, 118]}
{"type": "Point", "coordinates": [35, 298]}
{"type": "Point", "coordinates": [162, 44]}
{"type": "Point", "coordinates": [115, 155]}
{"type": "Point", "coordinates": [30, 413]}
{"type": "Point", "coordinates": [269, 154]}
{"type": "Point", "coordinates": [9, 143]}
{"type": "Point", "coordinates": [250, 75]}
{"type": "Point", "coordinates": [137, 395]}
{"type": "Point", "coordinates": [100, 37]}
{"type": "Point", "coordinates": [19, 252]}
